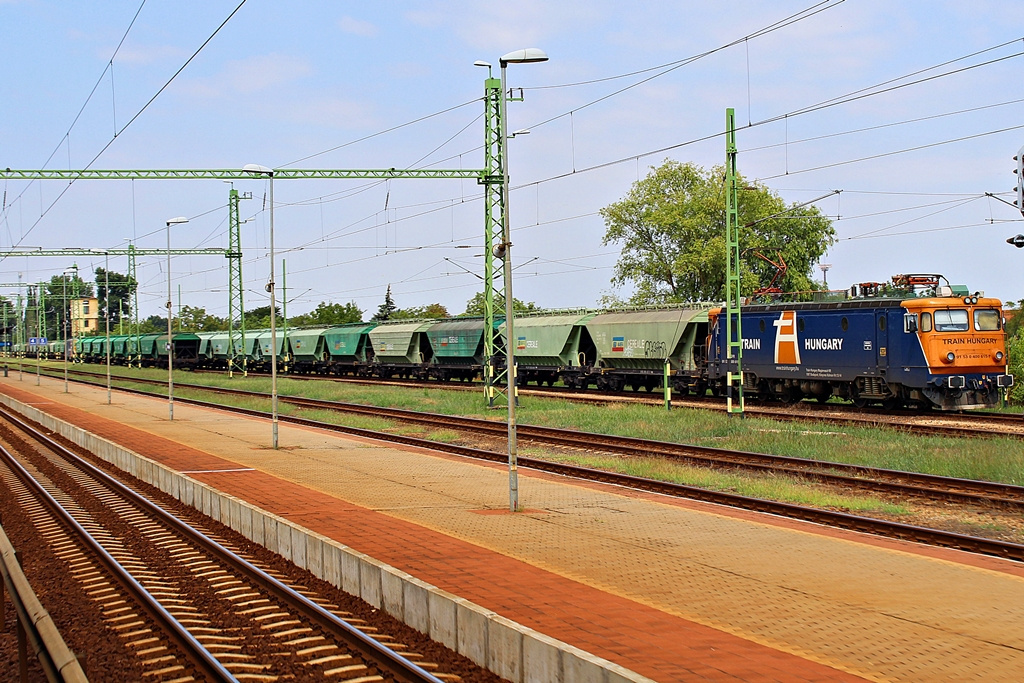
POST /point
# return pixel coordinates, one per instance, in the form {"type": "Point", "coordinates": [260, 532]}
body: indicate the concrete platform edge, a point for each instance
{"type": "Point", "coordinates": [502, 646]}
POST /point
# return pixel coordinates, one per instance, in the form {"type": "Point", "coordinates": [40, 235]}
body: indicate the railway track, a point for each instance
{"type": "Point", "coordinates": [180, 603]}
{"type": "Point", "coordinates": [936, 423]}
{"type": "Point", "coordinates": [971, 424]}
{"type": "Point", "coordinates": [873, 479]}
{"type": "Point", "coordinates": [959, 491]}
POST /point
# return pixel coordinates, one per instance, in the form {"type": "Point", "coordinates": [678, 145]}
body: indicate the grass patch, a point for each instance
{"type": "Point", "coordinates": [992, 459]}
{"type": "Point", "coordinates": [783, 489]}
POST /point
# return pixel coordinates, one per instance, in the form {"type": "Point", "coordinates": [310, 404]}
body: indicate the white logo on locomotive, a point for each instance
{"type": "Point", "coordinates": [787, 345]}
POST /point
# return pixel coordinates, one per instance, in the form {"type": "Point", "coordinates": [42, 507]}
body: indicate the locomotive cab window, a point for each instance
{"type": "Point", "coordinates": [926, 322]}
{"type": "Point", "coordinates": [910, 322]}
{"type": "Point", "coordinates": [986, 319]}
{"type": "Point", "coordinates": [952, 320]}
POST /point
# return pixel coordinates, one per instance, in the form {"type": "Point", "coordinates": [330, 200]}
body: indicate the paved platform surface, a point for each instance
{"type": "Point", "coordinates": [673, 590]}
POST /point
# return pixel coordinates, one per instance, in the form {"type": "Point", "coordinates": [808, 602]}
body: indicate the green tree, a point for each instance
{"type": "Point", "coordinates": [196, 319]}
{"type": "Point", "coordinates": [432, 311]}
{"type": "Point", "coordinates": [154, 323]}
{"type": "Point", "coordinates": [671, 226]}
{"type": "Point", "coordinates": [1015, 365]}
{"type": "Point", "coordinates": [475, 306]}
{"type": "Point", "coordinates": [259, 318]}
{"type": "Point", "coordinates": [386, 309]}
{"type": "Point", "coordinates": [1014, 313]}
{"type": "Point", "coordinates": [59, 292]}
{"type": "Point", "coordinates": [329, 314]}
{"type": "Point", "coordinates": [121, 289]}
{"type": "Point", "coordinates": [9, 321]}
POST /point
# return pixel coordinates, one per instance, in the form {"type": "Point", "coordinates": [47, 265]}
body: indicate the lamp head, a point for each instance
{"type": "Point", "coordinates": [176, 221]}
{"type": "Point", "coordinates": [527, 55]}
{"type": "Point", "coordinates": [256, 169]}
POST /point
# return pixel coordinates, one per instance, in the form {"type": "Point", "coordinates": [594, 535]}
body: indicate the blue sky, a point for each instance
{"type": "Point", "coordinates": [301, 83]}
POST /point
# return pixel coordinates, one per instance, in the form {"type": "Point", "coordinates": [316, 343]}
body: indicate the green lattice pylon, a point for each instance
{"type": "Point", "coordinates": [733, 295]}
{"type": "Point", "coordinates": [236, 298]}
{"type": "Point", "coordinates": [135, 346]}
{"type": "Point", "coordinates": [495, 367]}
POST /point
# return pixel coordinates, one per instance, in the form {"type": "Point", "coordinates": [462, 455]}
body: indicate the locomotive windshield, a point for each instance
{"type": "Point", "coordinates": [986, 319]}
{"type": "Point", "coordinates": [952, 320]}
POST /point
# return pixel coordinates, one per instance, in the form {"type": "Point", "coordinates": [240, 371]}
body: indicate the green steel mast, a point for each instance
{"type": "Point", "coordinates": [495, 368]}
{"type": "Point", "coordinates": [236, 298]}
{"type": "Point", "coordinates": [133, 344]}
{"type": "Point", "coordinates": [733, 295]}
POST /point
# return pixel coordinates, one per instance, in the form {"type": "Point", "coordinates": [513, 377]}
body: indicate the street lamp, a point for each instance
{"type": "Point", "coordinates": [170, 343]}
{"type": "Point", "coordinates": [824, 272]}
{"type": "Point", "coordinates": [106, 308]}
{"type": "Point", "coordinates": [66, 324]}
{"type": "Point", "coordinates": [258, 170]}
{"type": "Point", "coordinates": [528, 55]}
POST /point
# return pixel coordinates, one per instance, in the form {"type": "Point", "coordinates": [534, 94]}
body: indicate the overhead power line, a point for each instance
{"type": "Point", "coordinates": [131, 121]}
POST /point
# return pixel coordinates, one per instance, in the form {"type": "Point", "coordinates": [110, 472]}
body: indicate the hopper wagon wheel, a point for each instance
{"type": "Point", "coordinates": [860, 402]}
{"type": "Point", "coordinates": [892, 403]}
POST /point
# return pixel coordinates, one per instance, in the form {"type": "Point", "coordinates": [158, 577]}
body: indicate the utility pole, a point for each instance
{"type": "Point", "coordinates": [285, 349]}
{"type": "Point", "coordinates": [236, 298]}
{"type": "Point", "coordinates": [733, 296]}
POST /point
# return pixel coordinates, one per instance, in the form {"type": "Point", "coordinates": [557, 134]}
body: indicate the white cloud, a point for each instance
{"type": "Point", "coordinates": [357, 27]}
{"type": "Point", "coordinates": [141, 55]}
{"type": "Point", "coordinates": [329, 111]}
{"type": "Point", "coordinates": [252, 75]}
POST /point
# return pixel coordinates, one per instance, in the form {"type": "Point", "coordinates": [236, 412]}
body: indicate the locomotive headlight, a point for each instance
{"type": "Point", "coordinates": [950, 357]}
{"type": "Point", "coordinates": [999, 356]}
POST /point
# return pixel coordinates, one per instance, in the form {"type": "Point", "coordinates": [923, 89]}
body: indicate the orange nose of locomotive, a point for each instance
{"type": "Point", "coordinates": [960, 335]}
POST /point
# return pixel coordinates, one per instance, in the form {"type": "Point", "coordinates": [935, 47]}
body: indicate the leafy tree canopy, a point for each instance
{"type": "Point", "coordinates": [154, 323]}
{"type": "Point", "coordinates": [196, 319]}
{"type": "Point", "coordinates": [327, 313]}
{"type": "Point", "coordinates": [121, 289]}
{"type": "Point", "coordinates": [429, 311]}
{"type": "Point", "coordinates": [475, 306]}
{"type": "Point", "coordinates": [671, 226]}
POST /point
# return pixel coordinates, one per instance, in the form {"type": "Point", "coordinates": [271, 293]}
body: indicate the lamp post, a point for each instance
{"type": "Point", "coordinates": [106, 314]}
{"type": "Point", "coordinates": [824, 272]}
{"type": "Point", "coordinates": [170, 343]}
{"type": "Point", "coordinates": [525, 56]}
{"type": "Point", "coordinates": [258, 170]}
{"type": "Point", "coordinates": [66, 326]}
{"type": "Point", "coordinates": [106, 309]}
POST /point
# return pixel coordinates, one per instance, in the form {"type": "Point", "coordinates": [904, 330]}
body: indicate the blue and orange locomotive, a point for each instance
{"type": "Point", "coordinates": [934, 346]}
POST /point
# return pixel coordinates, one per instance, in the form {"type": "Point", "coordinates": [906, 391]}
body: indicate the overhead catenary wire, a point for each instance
{"type": "Point", "coordinates": [67, 134]}
{"type": "Point", "coordinates": [536, 184]}
{"type": "Point", "coordinates": [131, 121]}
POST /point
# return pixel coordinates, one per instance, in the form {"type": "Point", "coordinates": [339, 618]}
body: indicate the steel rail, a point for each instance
{"type": "Point", "coordinates": [58, 662]}
{"type": "Point", "coordinates": [877, 527]}
{"type": "Point", "coordinates": [964, 491]}
{"type": "Point", "coordinates": [207, 664]}
{"type": "Point", "coordinates": [402, 669]}
{"type": "Point", "coordinates": [862, 418]}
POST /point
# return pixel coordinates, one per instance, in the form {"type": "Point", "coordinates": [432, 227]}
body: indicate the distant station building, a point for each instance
{"type": "Point", "coordinates": [85, 316]}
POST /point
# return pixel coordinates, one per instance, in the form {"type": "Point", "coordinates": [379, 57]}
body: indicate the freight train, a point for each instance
{"type": "Point", "coordinates": [913, 343]}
